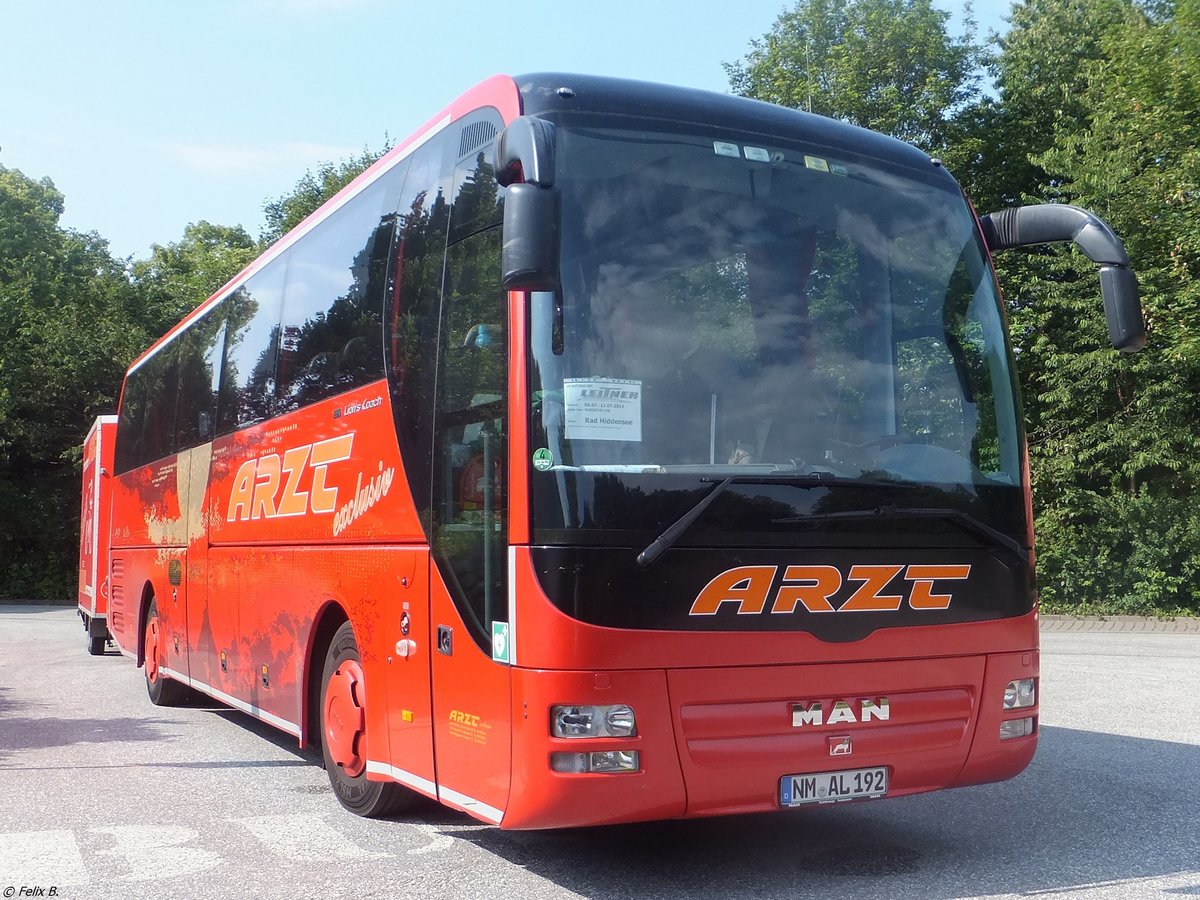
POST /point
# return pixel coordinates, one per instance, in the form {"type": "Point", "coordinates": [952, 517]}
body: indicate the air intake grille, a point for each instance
{"type": "Point", "coordinates": [475, 136]}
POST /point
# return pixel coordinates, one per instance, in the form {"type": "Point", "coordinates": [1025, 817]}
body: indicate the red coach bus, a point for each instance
{"type": "Point", "coordinates": [606, 452]}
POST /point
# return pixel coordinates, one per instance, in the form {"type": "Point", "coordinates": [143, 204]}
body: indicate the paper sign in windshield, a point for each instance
{"type": "Point", "coordinates": [603, 409]}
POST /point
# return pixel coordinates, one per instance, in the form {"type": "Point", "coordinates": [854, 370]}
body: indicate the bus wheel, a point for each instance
{"type": "Point", "coordinates": [162, 690]}
{"type": "Point", "coordinates": [343, 734]}
{"type": "Point", "coordinates": [96, 645]}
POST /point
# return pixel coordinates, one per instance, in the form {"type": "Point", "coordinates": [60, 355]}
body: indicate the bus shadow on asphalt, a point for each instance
{"type": "Point", "coordinates": [22, 734]}
{"type": "Point", "coordinates": [1092, 809]}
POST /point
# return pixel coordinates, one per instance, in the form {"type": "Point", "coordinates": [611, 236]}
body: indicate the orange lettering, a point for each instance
{"type": "Point", "coordinates": [922, 577]}
{"type": "Point", "coordinates": [867, 598]}
{"type": "Point", "coordinates": [747, 586]}
{"type": "Point", "coordinates": [817, 585]}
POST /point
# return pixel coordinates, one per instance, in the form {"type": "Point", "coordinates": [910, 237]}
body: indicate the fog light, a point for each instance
{"type": "Point", "coordinates": [614, 761]}
{"type": "Point", "coordinates": [569, 762]}
{"type": "Point", "coordinates": [1017, 728]}
{"type": "Point", "coordinates": [1020, 694]}
{"type": "Point", "coordinates": [592, 721]}
{"type": "Point", "coordinates": [609, 762]}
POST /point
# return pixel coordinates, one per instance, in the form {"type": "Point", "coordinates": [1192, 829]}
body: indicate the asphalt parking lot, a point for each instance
{"type": "Point", "coordinates": [104, 795]}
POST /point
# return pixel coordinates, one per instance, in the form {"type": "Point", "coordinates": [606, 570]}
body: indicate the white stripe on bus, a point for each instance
{"type": "Point", "coordinates": [257, 711]}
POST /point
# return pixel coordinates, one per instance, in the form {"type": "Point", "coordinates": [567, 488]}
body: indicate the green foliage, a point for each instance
{"type": "Point", "coordinates": [1115, 450]}
{"type": "Point", "coordinates": [888, 65]}
{"type": "Point", "coordinates": [1040, 70]}
{"type": "Point", "coordinates": [1118, 553]}
{"type": "Point", "coordinates": [65, 336]}
{"type": "Point", "coordinates": [314, 188]}
{"type": "Point", "coordinates": [178, 277]}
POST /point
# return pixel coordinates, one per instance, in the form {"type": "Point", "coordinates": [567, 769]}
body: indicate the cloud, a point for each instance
{"type": "Point", "coordinates": [231, 160]}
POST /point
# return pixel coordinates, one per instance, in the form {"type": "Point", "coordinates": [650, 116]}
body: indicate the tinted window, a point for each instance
{"type": "Point", "coordinates": [331, 338]}
{"type": "Point", "coordinates": [199, 357]}
{"type": "Point", "coordinates": [477, 197]}
{"type": "Point", "coordinates": [412, 307]}
{"type": "Point", "coordinates": [169, 400]}
{"type": "Point", "coordinates": [472, 431]}
{"type": "Point", "coordinates": [248, 378]}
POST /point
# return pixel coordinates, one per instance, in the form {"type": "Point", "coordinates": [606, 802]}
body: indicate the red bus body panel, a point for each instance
{"type": "Point", "coordinates": [95, 517]}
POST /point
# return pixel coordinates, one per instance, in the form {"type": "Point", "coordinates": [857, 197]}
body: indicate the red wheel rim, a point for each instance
{"type": "Point", "coordinates": [345, 718]}
{"type": "Point", "coordinates": [152, 649]}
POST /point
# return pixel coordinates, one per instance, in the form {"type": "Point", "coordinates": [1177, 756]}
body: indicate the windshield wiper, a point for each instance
{"type": "Point", "coordinates": [675, 530]}
{"type": "Point", "coordinates": [965, 521]}
{"type": "Point", "coordinates": [663, 542]}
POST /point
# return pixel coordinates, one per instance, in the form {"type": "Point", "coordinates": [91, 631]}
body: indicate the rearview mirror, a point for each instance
{"type": "Point", "coordinates": [532, 212]}
{"type": "Point", "coordinates": [1053, 222]}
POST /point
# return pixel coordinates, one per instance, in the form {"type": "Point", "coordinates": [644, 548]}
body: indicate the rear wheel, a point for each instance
{"type": "Point", "coordinates": [343, 734]}
{"type": "Point", "coordinates": [162, 690]}
{"type": "Point", "coordinates": [96, 645]}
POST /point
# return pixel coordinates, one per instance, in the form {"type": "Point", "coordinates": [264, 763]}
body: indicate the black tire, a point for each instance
{"type": "Point", "coordinates": [160, 688]}
{"type": "Point", "coordinates": [347, 776]}
{"type": "Point", "coordinates": [96, 645]}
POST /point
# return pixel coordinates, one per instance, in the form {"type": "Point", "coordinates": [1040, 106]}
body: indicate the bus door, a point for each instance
{"type": "Point", "coordinates": [468, 582]}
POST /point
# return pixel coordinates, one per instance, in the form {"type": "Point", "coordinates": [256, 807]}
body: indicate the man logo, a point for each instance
{"type": "Point", "coordinates": [841, 712]}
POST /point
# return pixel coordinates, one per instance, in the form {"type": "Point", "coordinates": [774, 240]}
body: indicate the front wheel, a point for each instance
{"type": "Point", "coordinates": [161, 689]}
{"type": "Point", "coordinates": [344, 734]}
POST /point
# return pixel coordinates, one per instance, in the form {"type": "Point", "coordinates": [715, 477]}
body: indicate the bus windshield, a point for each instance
{"type": "Point", "coordinates": [733, 305]}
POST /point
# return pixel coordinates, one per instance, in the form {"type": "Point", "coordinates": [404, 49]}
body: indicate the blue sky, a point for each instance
{"type": "Point", "coordinates": [150, 114]}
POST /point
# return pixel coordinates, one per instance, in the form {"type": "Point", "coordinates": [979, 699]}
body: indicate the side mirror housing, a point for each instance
{"type": "Point", "coordinates": [532, 217]}
{"type": "Point", "coordinates": [532, 205]}
{"type": "Point", "coordinates": [1053, 222]}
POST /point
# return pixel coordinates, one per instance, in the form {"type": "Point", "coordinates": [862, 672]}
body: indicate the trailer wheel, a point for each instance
{"type": "Point", "coordinates": [162, 690]}
{"type": "Point", "coordinates": [343, 734]}
{"type": "Point", "coordinates": [96, 645]}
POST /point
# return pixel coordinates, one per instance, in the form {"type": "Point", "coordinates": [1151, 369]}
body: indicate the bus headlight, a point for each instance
{"type": "Point", "coordinates": [617, 720]}
{"type": "Point", "coordinates": [1020, 694]}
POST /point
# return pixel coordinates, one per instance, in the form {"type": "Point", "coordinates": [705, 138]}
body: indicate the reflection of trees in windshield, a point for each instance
{"type": "Point", "coordinates": [773, 317]}
{"type": "Point", "coordinates": [760, 337]}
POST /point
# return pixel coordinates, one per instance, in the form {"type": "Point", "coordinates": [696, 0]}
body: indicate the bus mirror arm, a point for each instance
{"type": "Point", "coordinates": [1053, 222]}
{"type": "Point", "coordinates": [525, 152]}
{"type": "Point", "coordinates": [532, 209]}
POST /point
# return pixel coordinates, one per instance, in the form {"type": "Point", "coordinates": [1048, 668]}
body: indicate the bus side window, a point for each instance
{"type": "Point", "coordinates": [248, 377]}
{"type": "Point", "coordinates": [331, 331]}
{"type": "Point", "coordinates": [200, 352]}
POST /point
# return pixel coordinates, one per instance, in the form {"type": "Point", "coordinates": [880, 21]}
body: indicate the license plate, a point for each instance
{"type": "Point", "coordinates": [833, 787]}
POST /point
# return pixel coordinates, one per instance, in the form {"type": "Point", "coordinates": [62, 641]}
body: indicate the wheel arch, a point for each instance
{"type": "Point", "coordinates": [143, 614]}
{"type": "Point", "coordinates": [326, 623]}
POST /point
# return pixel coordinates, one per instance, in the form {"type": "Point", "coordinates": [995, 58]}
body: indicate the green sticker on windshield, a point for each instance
{"type": "Point", "coordinates": [543, 459]}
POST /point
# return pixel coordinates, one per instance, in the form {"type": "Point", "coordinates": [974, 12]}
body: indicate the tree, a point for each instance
{"type": "Point", "coordinates": [1115, 450]}
{"type": "Point", "coordinates": [67, 329]}
{"type": "Point", "coordinates": [1040, 81]}
{"type": "Point", "coordinates": [887, 65]}
{"type": "Point", "coordinates": [179, 276]}
{"type": "Point", "coordinates": [314, 188]}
